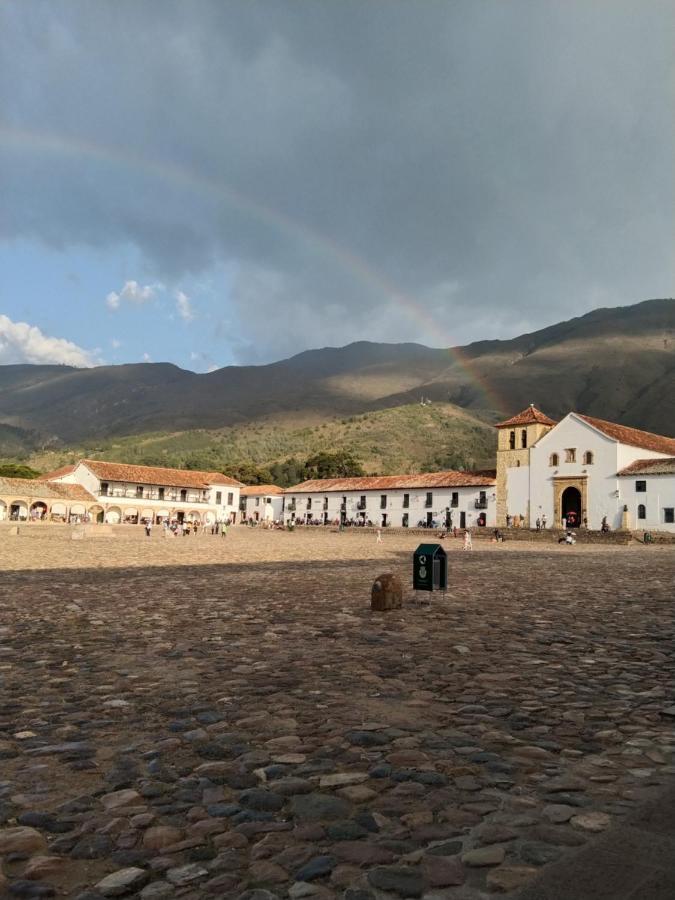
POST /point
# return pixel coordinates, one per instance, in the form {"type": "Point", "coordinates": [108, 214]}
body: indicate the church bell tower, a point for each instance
{"type": "Point", "coordinates": [515, 437]}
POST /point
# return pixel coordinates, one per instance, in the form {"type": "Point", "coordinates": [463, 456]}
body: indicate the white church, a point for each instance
{"type": "Point", "coordinates": [581, 471]}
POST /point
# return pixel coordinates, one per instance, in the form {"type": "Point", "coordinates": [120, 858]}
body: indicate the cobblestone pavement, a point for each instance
{"type": "Point", "coordinates": [244, 725]}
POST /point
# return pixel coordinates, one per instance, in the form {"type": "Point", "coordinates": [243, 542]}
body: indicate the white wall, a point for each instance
{"type": "Point", "coordinates": [518, 491]}
{"type": "Point", "coordinates": [84, 476]}
{"type": "Point", "coordinates": [66, 479]}
{"type": "Point", "coordinates": [209, 511]}
{"type": "Point", "coordinates": [605, 489]}
{"type": "Point", "coordinates": [601, 475]}
{"type": "Point", "coordinates": [627, 454]}
{"type": "Point", "coordinates": [394, 510]}
{"type": "Point", "coordinates": [660, 494]}
{"type": "Point", "coordinates": [268, 508]}
{"type": "Point", "coordinates": [225, 510]}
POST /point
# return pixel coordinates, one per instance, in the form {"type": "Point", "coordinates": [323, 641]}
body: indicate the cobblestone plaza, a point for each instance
{"type": "Point", "coordinates": [208, 717]}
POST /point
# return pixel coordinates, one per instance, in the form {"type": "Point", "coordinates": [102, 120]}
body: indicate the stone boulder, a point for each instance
{"type": "Point", "coordinates": [21, 839]}
{"type": "Point", "coordinates": [387, 593]}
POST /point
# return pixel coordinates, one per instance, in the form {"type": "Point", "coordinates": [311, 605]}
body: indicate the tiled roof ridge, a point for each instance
{"type": "Point", "coordinates": [635, 437]}
{"type": "Point", "coordinates": [663, 465]}
{"type": "Point", "coordinates": [527, 416]}
{"type": "Point", "coordinates": [252, 489]}
{"type": "Point", "coordinates": [49, 490]}
{"type": "Point", "coordinates": [448, 478]}
{"type": "Point", "coordinates": [57, 473]}
{"type": "Point", "coordinates": [136, 473]}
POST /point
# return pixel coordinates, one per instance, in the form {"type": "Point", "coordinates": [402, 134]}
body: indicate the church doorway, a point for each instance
{"type": "Point", "coordinates": [570, 507]}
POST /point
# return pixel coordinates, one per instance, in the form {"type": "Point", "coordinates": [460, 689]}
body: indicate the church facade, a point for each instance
{"type": "Point", "coordinates": [583, 471]}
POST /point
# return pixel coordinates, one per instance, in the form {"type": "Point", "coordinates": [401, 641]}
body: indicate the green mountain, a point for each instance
{"type": "Point", "coordinates": [618, 364]}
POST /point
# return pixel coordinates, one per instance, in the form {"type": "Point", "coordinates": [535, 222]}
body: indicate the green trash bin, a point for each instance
{"type": "Point", "coordinates": [430, 568]}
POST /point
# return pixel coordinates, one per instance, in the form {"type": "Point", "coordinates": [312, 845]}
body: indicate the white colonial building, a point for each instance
{"type": "Point", "coordinates": [35, 500]}
{"type": "Point", "coordinates": [581, 471]}
{"type": "Point", "coordinates": [261, 503]}
{"type": "Point", "coordinates": [132, 494]}
{"type": "Point", "coordinates": [647, 488]}
{"type": "Point", "coordinates": [438, 499]}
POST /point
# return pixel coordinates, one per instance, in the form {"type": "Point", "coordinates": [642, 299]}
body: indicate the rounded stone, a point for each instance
{"type": "Point", "coordinates": [316, 868]}
{"type": "Point", "coordinates": [591, 821]}
{"type": "Point", "coordinates": [43, 867]}
{"type": "Point", "coordinates": [160, 836]}
{"type": "Point", "coordinates": [484, 856]}
{"type": "Point", "coordinates": [124, 881]}
{"type": "Point", "coordinates": [386, 593]}
{"type": "Point", "coordinates": [443, 871]}
{"type": "Point", "coordinates": [401, 880]}
{"type": "Point", "coordinates": [25, 888]}
{"type": "Point", "coordinates": [318, 807]}
{"type": "Point", "coordinates": [508, 878]}
{"type": "Point", "coordinates": [21, 839]}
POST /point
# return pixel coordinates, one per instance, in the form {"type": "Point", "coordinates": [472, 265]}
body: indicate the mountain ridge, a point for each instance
{"type": "Point", "coordinates": [617, 363]}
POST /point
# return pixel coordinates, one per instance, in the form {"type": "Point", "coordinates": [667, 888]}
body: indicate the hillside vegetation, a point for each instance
{"type": "Point", "coordinates": [410, 438]}
{"type": "Point", "coordinates": [617, 364]}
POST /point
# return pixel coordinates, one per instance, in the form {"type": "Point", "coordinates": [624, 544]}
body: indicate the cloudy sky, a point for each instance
{"type": "Point", "coordinates": [212, 182]}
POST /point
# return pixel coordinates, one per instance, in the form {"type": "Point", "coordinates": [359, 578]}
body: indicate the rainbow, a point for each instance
{"type": "Point", "coordinates": [181, 176]}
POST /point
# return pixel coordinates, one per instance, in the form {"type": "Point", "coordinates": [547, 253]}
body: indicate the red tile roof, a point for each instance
{"type": "Point", "coordinates": [391, 482]}
{"type": "Point", "coordinates": [632, 436]}
{"type": "Point", "coordinates": [663, 466]}
{"type": "Point", "coordinates": [528, 416]}
{"type": "Point", "coordinates": [109, 471]}
{"type": "Point", "coordinates": [34, 489]}
{"type": "Point", "coordinates": [58, 473]}
{"type": "Point", "coordinates": [260, 490]}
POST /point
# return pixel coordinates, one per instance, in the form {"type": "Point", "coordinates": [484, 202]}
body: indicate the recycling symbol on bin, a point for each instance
{"type": "Point", "coordinates": [423, 567]}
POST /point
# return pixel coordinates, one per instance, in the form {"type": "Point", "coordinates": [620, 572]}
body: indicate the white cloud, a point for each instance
{"type": "Point", "coordinates": [184, 307]}
{"type": "Point", "coordinates": [204, 360]}
{"type": "Point", "coordinates": [147, 357]}
{"type": "Point", "coordinates": [115, 344]}
{"type": "Point", "coordinates": [24, 343]}
{"type": "Point", "coordinates": [132, 292]}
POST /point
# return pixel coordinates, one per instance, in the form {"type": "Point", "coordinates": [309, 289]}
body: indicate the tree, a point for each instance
{"type": "Point", "coordinates": [247, 472]}
{"type": "Point", "coordinates": [16, 470]}
{"type": "Point", "coordinates": [287, 473]}
{"type": "Point", "coordinates": [449, 460]}
{"type": "Point", "coordinates": [333, 465]}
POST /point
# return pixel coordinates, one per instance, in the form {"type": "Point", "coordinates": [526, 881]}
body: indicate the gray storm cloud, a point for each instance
{"type": "Point", "coordinates": [497, 165]}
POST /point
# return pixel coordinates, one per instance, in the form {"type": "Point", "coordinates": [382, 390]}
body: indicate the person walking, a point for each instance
{"type": "Point", "coordinates": [379, 536]}
{"type": "Point", "coordinates": [148, 527]}
{"type": "Point", "coordinates": [468, 542]}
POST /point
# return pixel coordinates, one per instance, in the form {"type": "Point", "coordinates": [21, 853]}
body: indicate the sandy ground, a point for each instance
{"type": "Point", "coordinates": [37, 547]}
{"type": "Point", "coordinates": [210, 716]}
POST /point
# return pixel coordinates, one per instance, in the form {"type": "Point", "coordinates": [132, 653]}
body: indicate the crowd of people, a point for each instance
{"type": "Point", "coordinates": [175, 528]}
